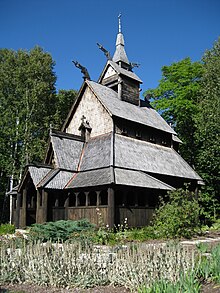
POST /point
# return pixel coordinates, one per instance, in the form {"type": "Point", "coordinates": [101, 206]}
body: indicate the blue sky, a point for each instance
{"type": "Point", "coordinates": [157, 32]}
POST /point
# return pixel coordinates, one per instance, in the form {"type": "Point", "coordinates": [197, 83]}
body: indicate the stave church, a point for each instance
{"type": "Point", "coordinates": [114, 154]}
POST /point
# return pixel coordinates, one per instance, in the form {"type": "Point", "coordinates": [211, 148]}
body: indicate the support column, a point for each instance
{"type": "Point", "coordinates": [111, 208]}
{"type": "Point", "coordinates": [87, 199]}
{"type": "Point", "coordinates": [77, 199]}
{"type": "Point", "coordinates": [44, 205]}
{"type": "Point", "coordinates": [23, 215]}
{"type": "Point", "coordinates": [66, 205]}
{"type": "Point", "coordinates": [17, 220]}
{"type": "Point", "coordinates": [38, 207]}
{"type": "Point", "coordinates": [98, 198]}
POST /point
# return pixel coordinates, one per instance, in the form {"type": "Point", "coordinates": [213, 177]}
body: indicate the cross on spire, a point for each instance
{"type": "Point", "coordinates": [83, 119]}
{"type": "Point", "coordinates": [119, 23]}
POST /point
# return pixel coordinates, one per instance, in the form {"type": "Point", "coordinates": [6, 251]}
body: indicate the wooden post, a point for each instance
{"type": "Point", "coordinates": [111, 208]}
{"type": "Point", "coordinates": [17, 221]}
{"type": "Point", "coordinates": [38, 207]}
{"type": "Point", "coordinates": [66, 205]}
{"type": "Point", "coordinates": [44, 205]}
{"type": "Point", "coordinates": [77, 199]}
{"type": "Point", "coordinates": [87, 199]}
{"type": "Point", "coordinates": [23, 216]}
{"type": "Point", "coordinates": [98, 198]}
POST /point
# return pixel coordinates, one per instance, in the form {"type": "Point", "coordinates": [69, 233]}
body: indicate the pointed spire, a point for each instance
{"type": "Point", "coordinates": [120, 55]}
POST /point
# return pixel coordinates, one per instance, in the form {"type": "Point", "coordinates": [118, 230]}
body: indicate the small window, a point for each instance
{"type": "Point", "coordinates": [92, 198]}
{"type": "Point", "coordinates": [124, 131]}
{"type": "Point", "coordinates": [103, 197]}
{"type": "Point", "coordinates": [152, 138]}
{"type": "Point", "coordinates": [72, 200]}
{"type": "Point", "coordinates": [82, 199]}
{"type": "Point", "coordinates": [138, 134]}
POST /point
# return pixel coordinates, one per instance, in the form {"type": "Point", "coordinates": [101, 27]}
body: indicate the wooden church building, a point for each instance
{"type": "Point", "coordinates": [115, 154]}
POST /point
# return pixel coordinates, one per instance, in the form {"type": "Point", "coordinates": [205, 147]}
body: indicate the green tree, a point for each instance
{"type": "Point", "coordinates": [27, 106]}
{"type": "Point", "coordinates": [176, 97]}
{"type": "Point", "coordinates": [208, 122]}
{"type": "Point", "coordinates": [64, 101]}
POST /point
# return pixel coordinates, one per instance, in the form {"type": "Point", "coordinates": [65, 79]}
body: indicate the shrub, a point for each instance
{"type": "Point", "coordinates": [178, 216]}
{"type": "Point", "coordinates": [59, 230]}
{"type": "Point", "coordinates": [7, 229]}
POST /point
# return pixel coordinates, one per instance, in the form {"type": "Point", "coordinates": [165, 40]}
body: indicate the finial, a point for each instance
{"type": "Point", "coordinates": [119, 23]}
{"type": "Point", "coordinates": [83, 70]}
{"type": "Point", "coordinates": [83, 119]}
{"type": "Point", "coordinates": [107, 54]}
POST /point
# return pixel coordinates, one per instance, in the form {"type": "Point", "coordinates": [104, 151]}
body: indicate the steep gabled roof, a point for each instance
{"type": "Point", "coordinates": [143, 115]}
{"type": "Point", "coordinates": [36, 173]}
{"type": "Point", "coordinates": [120, 71]}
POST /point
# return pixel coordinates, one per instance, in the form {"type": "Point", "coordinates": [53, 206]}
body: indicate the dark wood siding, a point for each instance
{"type": "Point", "coordinates": [130, 91]}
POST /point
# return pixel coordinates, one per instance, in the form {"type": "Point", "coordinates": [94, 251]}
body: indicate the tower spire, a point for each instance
{"type": "Point", "coordinates": [120, 55]}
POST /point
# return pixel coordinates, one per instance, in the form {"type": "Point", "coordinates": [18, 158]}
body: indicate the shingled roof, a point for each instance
{"type": "Point", "coordinates": [97, 153]}
{"type": "Point", "coordinates": [143, 115]}
{"type": "Point", "coordinates": [139, 179]}
{"type": "Point", "coordinates": [67, 150]}
{"type": "Point", "coordinates": [36, 172]}
{"type": "Point", "coordinates": [120, 71]}
{"type": "Point", "coordinates": [91, 178]}
{"type": "Point", "coordinates": [152, 158]}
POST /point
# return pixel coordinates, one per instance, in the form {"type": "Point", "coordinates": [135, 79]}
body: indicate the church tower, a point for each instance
{"type": "Point", "coordinates": [118, 74]}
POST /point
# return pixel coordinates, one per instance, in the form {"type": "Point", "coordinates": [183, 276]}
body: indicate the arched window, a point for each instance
{"type": "Point", "coordinates": [130, 198]}
{"type": "Point", "coordinates": [92, 198]}
{"type": "Point", "coordinates": [142, 199]}
{"type": "Point", "coordinates": [72, 200]}
{"type": "Point", "coordinates": [82, 199]}
{"type": "Point", "coordinates": [120, 199]}
{"type": "Point", "coordinates": [103, 198]}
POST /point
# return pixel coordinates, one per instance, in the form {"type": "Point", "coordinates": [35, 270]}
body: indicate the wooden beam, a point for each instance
{"type": "Point", "coordinates": [23, 215]}
{"type": "Point", "coordinates": [44, 207]}
{"type": "Point", "coordinates": [17, 220]}
{"type": "Point", "coordinates": [111, 208]}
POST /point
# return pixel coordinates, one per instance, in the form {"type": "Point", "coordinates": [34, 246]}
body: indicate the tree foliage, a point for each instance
{"type": "Point", "coordinates": [188, 96]}
{"type": "Point", "coordinates": [176, 97]}
{"type": "Point", "coordinates": [64, 101]}
{"type": "Point", "coordinates": [208, 122]}
{"type": "Point", "coordinates": [27, 99]}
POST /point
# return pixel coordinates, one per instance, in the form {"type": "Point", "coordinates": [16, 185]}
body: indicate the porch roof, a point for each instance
{"type": "Point", "coordinates": [135, 154]}
{"type": "Point", "coordinates": [139, 179]}
{"type": "Point", "coordinates": [91, 178]}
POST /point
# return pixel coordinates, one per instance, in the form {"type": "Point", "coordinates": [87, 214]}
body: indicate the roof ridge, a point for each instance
{"type": "Point", "coordinates": [66, 135]}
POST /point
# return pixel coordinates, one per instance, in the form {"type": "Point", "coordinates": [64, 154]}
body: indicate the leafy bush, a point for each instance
{"type": "Point", "coordinates": [7, 229]}
{"type": "Point", "coordinates": [59, 231]}
{"type": "Point", "coordinates": [178, 216]}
